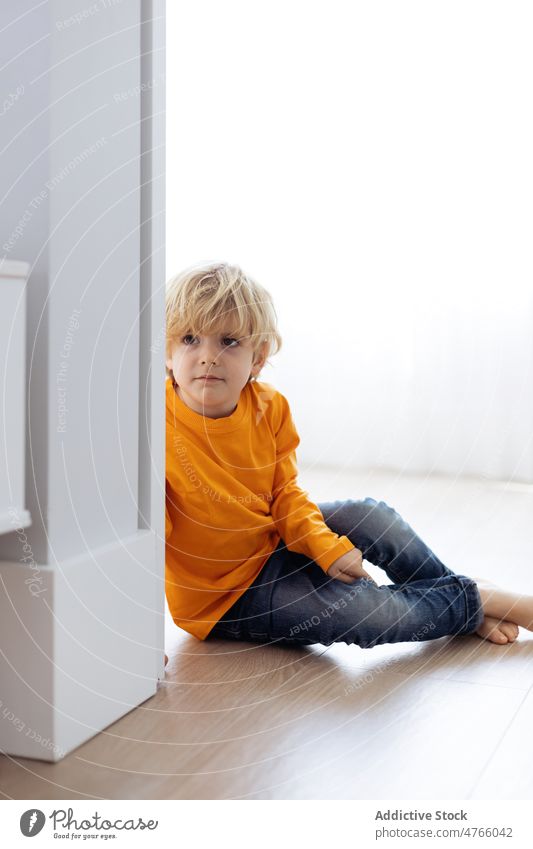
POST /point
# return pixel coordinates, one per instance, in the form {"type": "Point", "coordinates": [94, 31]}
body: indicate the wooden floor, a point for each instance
{"type": "Point", "coordinates": [444, 719]}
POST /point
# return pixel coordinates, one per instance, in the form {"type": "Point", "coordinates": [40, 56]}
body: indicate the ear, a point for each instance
{"type": "Point", "coordinates": [259, 359]}
{"type": "Point", "coordinates": [168, 351]}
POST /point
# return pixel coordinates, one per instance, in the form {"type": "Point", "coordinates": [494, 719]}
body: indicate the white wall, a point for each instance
{"type": "Point", "coordinates": [370, 164]}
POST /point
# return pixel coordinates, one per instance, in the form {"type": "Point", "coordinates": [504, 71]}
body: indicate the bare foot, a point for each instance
{"type": "Point", "coordinates": [504, 605]}
{"type": "Point", "coordinates": [497, 631]}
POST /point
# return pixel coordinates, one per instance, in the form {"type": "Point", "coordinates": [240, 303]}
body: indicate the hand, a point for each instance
{"type": "Point", "coordinates": [349, 567]}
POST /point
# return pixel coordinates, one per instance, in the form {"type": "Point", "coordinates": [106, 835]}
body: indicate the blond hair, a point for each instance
{"type": "Point", "coordinates": [214, 297]}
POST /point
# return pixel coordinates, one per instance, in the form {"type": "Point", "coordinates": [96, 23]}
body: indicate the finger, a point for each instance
{"type": "Point", "coordinates": [345, 578]}
{"type": "Point", "coordinates": [366, 576]}
{"type": "Point", "coordinates": [356, 572]}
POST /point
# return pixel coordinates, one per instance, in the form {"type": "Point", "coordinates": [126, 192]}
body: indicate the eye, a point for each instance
{"type": "Point", "coordinates": [186, 338]}
{"type": "Point", "coordinates": [232, 342]}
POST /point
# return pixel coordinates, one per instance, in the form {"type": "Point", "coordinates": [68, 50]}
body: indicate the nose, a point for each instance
{"type": "Point", "coordinates": [208, 353]}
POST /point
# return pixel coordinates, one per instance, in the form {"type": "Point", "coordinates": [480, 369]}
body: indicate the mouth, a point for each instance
{"type": "Point", "coordinates": [207, 378]}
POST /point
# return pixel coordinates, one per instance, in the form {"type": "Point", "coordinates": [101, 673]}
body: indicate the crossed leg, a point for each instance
{"type": "Point", "coordinates": [387, 541]}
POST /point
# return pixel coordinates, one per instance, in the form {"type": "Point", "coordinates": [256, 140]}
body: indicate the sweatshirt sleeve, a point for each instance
{"type": "Point", "coordinates": [298, 520]}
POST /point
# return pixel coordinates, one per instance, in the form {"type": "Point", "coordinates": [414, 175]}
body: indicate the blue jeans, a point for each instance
{"type": "Point", "coordinates": [292, 600]}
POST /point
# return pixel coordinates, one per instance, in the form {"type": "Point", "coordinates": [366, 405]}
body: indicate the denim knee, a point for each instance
{"type": "Point", "coordinates": [384, 536]}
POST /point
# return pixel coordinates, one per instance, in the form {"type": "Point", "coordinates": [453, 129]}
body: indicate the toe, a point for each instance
{"type": "Point", "coordinates": [509, 629]}
{"type": "Point", "coordinates": [500, 632]}
{"type": "Point", "coordinates": [499, 636]}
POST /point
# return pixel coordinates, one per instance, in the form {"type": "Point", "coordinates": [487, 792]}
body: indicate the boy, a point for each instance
{"type": "Point", "coordinates": [248, 554]}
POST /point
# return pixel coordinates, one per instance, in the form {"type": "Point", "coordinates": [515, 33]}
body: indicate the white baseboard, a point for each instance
{"type": "Point", "coordinates": [81, 644]}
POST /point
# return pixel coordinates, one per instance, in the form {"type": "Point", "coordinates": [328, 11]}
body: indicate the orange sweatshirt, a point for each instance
{"type": "Point", "coordinates": [231, 495]}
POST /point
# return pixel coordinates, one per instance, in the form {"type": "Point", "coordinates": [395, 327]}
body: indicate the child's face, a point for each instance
{"type": "Point", "coordinates": [226, 359]}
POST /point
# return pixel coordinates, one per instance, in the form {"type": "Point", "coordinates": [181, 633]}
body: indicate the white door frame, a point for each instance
{"type": "Point", "coordinates": [88, 646]}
